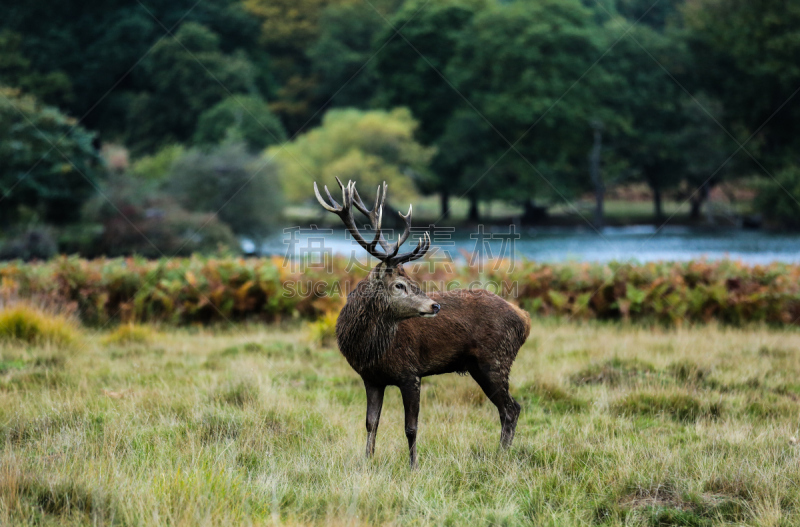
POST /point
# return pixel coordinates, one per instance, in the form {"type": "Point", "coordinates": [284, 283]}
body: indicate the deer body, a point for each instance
{"type": "Point", "coordinates": [393, 334]}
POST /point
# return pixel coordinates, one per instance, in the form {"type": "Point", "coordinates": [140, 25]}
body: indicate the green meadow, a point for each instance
{"type": "Point", "coordinates": [264, 425]}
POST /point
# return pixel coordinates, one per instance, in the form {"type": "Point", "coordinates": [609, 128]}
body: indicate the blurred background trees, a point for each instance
{"type": "Point", "coordinates": [173, 109]}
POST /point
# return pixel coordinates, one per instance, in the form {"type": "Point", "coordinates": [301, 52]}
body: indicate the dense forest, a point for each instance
{"type": "Point", "coordinates": [164, 128]}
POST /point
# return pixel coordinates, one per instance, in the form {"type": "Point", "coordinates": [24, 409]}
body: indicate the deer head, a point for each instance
{"type": "Point", "coordinates": [388, 284]}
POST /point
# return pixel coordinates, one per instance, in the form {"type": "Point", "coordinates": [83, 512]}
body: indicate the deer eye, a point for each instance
{"type": "Point", "coordinates": [400, 287]}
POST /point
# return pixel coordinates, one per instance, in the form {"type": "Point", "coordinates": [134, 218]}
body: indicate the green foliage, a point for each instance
{"type": "Point", "coordinates": [208, 289]}
{"type": "Point", "coordinates": [98, 47]}
{"type": "Point", "coordinates": [156, 167]}
{"type": "Point", "coordinates": [245, 119]}
{"type": "Point", "coordinates": [289, 23]}
{"type": "Point", "coordinates": [747, 53]}
{"type": "Point", "coordinates": [323, 331]}
{"type": "Point", "coordinates": [341, 56]}
{"type": "Point", "coordinates": [516, 61]}
{"type": "Point", "coordinates": [182, 77]}
{"type": "Point", "coordinates": [366, 146]}
{"type": "Point", "coordinates": [47, 161]}
{"type": "Point", "coordinates": [229, 183]}
{"type": "Point", "coordinates": [15, 70]}
{"type": "Point", "coordinates": [777, 199]}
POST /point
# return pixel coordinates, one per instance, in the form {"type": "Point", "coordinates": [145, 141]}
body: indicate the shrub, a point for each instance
{"type": "Point", "coordinates": [139, 219]}
{"type": "Point", "coordinates": [208, 289]}
{"type": "Point", "coordinates": [33, 244]}
{"type": "Point", "coordinates": [228, 182]}
{"type": "Point", "coordinates": [28, 324]}
{"type": "Point", "coordinates": [323, 331]}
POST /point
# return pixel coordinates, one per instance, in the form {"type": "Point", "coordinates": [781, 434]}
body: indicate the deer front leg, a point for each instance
{"type": "Point", "coordinates": [410, 393]}
{"type": "Point", "coordinates": [374, 406]}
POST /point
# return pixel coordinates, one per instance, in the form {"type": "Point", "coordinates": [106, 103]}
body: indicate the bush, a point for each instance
{"type": "Point", "coordinates": [33, 244]}
{"type": "Point", "coordinates": [30, 325]}
{"type": "Point", "coordinates": [323, 331]}
{"type": "Point", "coordinates": [228, 182]}
{"type": "Point", "coordinates": [203, 289]}
{"type": "Point", "coordinates": [138, 219]}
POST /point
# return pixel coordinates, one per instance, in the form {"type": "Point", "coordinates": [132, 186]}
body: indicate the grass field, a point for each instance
{"type": "Point", "coordinates": [260, 425]}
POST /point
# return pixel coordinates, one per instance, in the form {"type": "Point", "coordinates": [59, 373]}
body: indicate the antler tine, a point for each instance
{"type": "Point", "coordinates": [374, 214]}
{"type": "Point", "coordinates": [345, 213]}
{"type": "Point", "coordinates": [335, 209]}
{"type": "Point", "coordinates": [419, 251]}
{"type": "Point", "coordinates": [350, 198]}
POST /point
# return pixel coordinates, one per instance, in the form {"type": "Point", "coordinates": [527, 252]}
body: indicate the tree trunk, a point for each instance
{"type": "Point", "coordinates": [657, 207]}
{"type": "Point", "coordinates": [444, 199]}
{"type": "Point", "coordinates": [474, 213]}
{"type": "Point", "coordinates": [697, 200]}
{"type": "Point", "coordinates": [597, 177]}
{"type": "Point", "coordinates": [532, 214]}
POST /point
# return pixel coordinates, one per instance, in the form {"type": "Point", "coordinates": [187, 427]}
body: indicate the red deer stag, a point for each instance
{"type": "Point", "coordinates": [393, 334]}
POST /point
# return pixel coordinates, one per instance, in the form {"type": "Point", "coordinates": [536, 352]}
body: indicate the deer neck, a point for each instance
{"type": "Point", "coordinates": [365, 330]}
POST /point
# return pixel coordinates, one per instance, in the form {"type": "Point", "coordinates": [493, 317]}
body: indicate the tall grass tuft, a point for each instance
{"type": "Point", "coordinates": [32, 325]}
{"type": "Point", "coordinates": [130, 334]}
{"type": "Point", "coordinates": [323, 331]}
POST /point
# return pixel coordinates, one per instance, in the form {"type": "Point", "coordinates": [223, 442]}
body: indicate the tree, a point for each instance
{"type": "Point", "coordinates": [342, 55]}
{"type": "Point", "coordinates": [244, 118]}
{"type": "Point", "coordinates": [242, 190]}
{"type": "Point", "coordinates": [652, 106]}
{"type": "Point", "coordinates": [98, 46]}
{"type": "Point", "coordinates": [706, 151]}
{"type": "Point", "coordinates": [48, 163]}
{"type": "Point", "coordinates": [15, 69]}
{"type": "Point", "coordinates": [367, 146]}
{"type": "Point", "coordinates": [746, 54]}
{"type": "Point", "coordinates": [529, 71]}
{"type": "Point", "coordinates": [778, 198]}
{"type": "Point", "coordinates": [183, 76]}
{"type": "Point", "coordinates": [410, 71]}
{"type": "Point", "coordinates": [288, 29]}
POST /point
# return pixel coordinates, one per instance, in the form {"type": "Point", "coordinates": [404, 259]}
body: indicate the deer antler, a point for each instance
{"type": "Point", "coordinates": [350, 198]}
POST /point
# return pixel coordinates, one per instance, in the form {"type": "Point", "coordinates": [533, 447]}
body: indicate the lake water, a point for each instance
{"type": "Point", "coordinates": [640, 243]}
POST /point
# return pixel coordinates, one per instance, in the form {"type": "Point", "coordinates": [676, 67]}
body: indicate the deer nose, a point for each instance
{"type": "Point", "coordinates": [436, 308]}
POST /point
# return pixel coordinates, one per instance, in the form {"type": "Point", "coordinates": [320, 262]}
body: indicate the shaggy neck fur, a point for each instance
{"type": "Point", "coordinates": [366, 328]}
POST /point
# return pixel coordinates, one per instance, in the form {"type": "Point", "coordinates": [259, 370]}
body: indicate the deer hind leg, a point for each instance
{"type": "Point", "coordinates": [410, 393]}
{"type": "Point", "coordinates": [495, 385]}
{"type": "Point", "coordinates": [374, 406]}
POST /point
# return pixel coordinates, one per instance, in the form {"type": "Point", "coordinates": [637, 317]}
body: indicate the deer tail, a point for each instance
{"type": "Point", "coordinates": [525, 317]}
